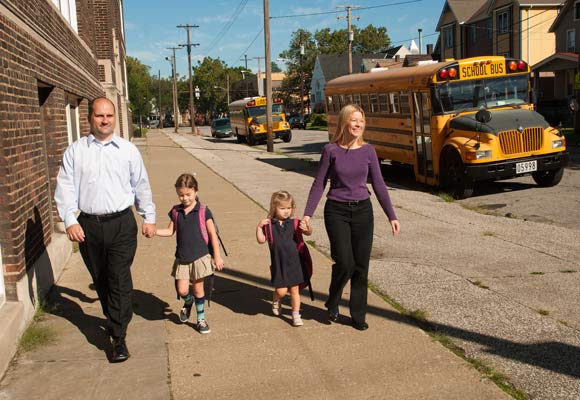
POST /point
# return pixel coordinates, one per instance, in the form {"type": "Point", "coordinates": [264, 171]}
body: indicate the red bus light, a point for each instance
{"type": "Point", "coordinates": [512, 66]}
{"type": "Point", "coordinates": [452, 73]}
{"type": "Point", "coordinates": [522, 66]}
{"type": "Point", "coordinates": [443, 74]}
{"type": "Point", "coordinates": [251, 103]}
{"type": "Point", "coordinates": [277, 101]}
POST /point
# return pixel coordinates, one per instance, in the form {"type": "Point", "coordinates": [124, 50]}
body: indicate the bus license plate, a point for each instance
{"type": "Point", "coordinates": [526, 166]}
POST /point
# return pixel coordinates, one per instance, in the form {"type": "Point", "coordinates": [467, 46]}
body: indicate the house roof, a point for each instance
{"type": "Point", "coordinates": [392, 51]}
{"type": "Point", "coordinates": [561, 15]}
{"type": "Point", "coordinates": [413, 59]}
{"type": "Point", "coordinates": [557, 62]}
{"type": "Point", "coordinates": [335, 65]}
{"type": "Point", "coordinates": [370, 63]}
{"type": "Point", "coordinates": [462, 10]}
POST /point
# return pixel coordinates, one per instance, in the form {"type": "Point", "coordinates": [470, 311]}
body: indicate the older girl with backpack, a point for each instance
{"type": "Point", "coordinates": [197, 251]}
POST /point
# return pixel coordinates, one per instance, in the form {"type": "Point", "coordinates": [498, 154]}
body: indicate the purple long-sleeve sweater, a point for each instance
{"type": "Point", "coordinates": [348, 171]}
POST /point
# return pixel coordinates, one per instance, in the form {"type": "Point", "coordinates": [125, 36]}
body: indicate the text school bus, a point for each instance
{"type": "Point", "coordinates": [456, 122]}
{"type": "Point", "coordinates": [248, 120]}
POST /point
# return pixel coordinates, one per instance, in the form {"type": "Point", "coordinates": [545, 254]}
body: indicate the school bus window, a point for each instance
{"type": "Point", "coordinates": [404, 103]}
{"type": "Point", "coordinates": [365, 102]}
{"type": "Point", "coordinates": [356, 99]}
{"type": "Point", "coordinates": [374, 102]}
{"type": "Point", "coordinates": [383, 102]}
{"type": "Point", "coordinates": [394, 102]}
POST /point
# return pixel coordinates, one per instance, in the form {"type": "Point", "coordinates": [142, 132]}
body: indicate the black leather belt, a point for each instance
{"type": "Point", "coordinates": [105, 217]}
{"type": "Point", "coordinates": [352, 203]}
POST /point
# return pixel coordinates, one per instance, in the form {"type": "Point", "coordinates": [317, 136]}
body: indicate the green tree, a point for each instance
{"type": "Point", "coordinates": [298, 69]}
{"type": "Point", "coordinates": [139, 84]}
{"type": "Point", "coordinates": [275, 67]}
{"type": "Point", "coordinates": [367, 40]}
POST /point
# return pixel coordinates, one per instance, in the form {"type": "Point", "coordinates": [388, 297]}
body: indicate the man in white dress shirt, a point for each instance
{"type": "Point", "coordinates": [102, 175]}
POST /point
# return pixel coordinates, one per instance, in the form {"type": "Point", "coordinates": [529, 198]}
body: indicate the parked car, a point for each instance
{"type": "Point", "coordinates": [297, 123]}
{"type": "Point", "coordinates": [221, 128]}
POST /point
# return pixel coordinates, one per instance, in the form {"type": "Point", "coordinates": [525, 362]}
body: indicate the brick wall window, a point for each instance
{"type": "Point", "coordinates": [72, 121]}
{"type": "Point", "coordinates": [571, 40]}
{"type": "Point", "coordinates": [68, 9]}
{"type": "Point", "coordinates": [577, 10]}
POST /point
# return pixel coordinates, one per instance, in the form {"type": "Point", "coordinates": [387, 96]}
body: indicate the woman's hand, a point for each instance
{"type": "Point", "coordinates": [395, 227]}
{"type": "Point", "coordinates": [305, 224]}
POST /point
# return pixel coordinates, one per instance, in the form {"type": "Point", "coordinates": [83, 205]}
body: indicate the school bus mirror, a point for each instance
{"type": "Point", "coordinates": [483, 116]}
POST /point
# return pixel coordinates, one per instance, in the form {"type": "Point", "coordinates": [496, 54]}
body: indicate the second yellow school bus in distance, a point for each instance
{"type": "Point", "coordinates": [456, 122]}
{"type": "Point", "coordinates": [248, 120]}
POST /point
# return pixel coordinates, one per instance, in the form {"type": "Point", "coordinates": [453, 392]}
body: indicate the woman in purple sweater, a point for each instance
{"type": "Point", "coordinates": [348, 162]}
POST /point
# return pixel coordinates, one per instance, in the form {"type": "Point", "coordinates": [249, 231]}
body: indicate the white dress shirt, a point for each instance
{"type": "Point", "coordinates": [102, 178]}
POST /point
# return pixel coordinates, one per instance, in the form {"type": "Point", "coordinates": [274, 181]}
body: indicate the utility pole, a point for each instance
{"type": "Point", "coordinates": [188, 45]}
{"type": "Point", "coordinates": [350, 33]}
{"type": "Point", "coordinates": [175, 102]}
{"type": "Point", "coordinates": [159, 101]}
{"type": "Point", "coordinates": [270, 144]}
{"type": "Point", "coordinates": [301, 79]}
{"type": "Point", "coordinates": [245, 59]}
{"type": "Point", "coordinates": [260, 82]}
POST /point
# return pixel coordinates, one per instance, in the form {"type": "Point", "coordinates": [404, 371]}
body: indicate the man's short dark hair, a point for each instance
{"type": "Point", "coordinates": [92, 104]}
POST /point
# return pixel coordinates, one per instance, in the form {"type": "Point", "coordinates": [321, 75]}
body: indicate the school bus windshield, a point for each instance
{"type": "Point", "coordinates": [261, 110]}
{"type": "Point", "coordinates": [457, 96]}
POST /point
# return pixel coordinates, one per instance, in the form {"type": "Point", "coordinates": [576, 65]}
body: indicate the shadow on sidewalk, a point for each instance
{"type": "Point", "coordinates": [93, 328]}
{"type": "Point", "coordinates": [241, 297]}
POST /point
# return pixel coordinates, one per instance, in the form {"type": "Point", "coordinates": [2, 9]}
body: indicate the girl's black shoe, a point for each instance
{"type": "Point", "coordinates": [333, 315]}
{"type": "Point", "coordinates": [361, 326]}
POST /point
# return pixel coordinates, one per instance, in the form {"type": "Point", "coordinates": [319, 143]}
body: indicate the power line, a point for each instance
{"type": "Point", "coordinates": [339, 12]}
{"type": "Point", "coordinates": [246, 50]}
{"type": "Point", "coordinates": [227, 26]}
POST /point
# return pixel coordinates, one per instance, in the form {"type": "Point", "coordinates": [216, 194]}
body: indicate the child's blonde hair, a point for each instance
{"type": "Point", "coordinates": [279, 197]}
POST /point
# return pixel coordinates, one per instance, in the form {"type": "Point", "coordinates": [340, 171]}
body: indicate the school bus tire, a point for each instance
{"type": "Point", "coordinates": [548, 178]}
{"type": "Point", "coordinates": [453, 177]}
{"type": "Point", "coordinates": [287, 137]}
{"type": "Point", "coordinates": [251, 140]}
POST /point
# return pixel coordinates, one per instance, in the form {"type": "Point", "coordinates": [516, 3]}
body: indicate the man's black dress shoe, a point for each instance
{"type": "Point", "coordinates": [361, 326]}
{"type": "Point", "coordinates": [120, 351]}
{"type": "Point", "coordinates": [333, 315]}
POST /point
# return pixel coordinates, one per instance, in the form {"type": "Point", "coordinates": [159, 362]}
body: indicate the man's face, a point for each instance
{"type": "Point", "coordinates": [102, 119]}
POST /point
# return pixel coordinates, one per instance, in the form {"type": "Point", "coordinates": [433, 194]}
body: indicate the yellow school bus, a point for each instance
{"type": "Point", "coordinates": [456, 122]}
{"type": "Point", "coordinates": [248, 120]}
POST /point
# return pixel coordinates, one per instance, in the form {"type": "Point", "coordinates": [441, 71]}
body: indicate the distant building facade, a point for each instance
{"type": "Point", "coordinates": [56, 56]}
{"type": "Point", "coordinates": [511, 28]}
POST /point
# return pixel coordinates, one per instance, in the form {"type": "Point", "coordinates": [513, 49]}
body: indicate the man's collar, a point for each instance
{"type": "Point", "coordinates": [114, 140]}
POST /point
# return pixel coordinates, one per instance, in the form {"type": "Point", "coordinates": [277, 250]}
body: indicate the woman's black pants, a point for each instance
{"type": "Point", "coordinates": [349, 226]}
{"type": "Point", "coordinates": [108, 252]}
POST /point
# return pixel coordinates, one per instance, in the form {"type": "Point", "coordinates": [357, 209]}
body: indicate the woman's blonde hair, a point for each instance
{"type": "Point", "coordinates": [281, 196]}
{"type": "Point", "coordinates": [341, 134]}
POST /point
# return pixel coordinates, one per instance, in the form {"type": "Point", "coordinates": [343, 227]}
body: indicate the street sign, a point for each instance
{"type": "Point", "coordinates": [577, 81]}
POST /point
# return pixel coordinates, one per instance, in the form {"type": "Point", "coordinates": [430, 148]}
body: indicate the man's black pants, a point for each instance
{"type": "Point", "coordinates": [349, 226]}
{"type": "Point", "coordinates": [108, 251]}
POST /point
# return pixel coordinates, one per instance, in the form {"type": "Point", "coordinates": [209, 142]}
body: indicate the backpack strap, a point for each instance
{"type": "Point", "coordinates": [203, 223]}
{"type": "Point", "coordinates": [174, 215]}
{"type": "Point", "coordinates": [268, 232]}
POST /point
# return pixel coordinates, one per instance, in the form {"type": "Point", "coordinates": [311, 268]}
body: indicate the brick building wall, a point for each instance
{"type": "Point", "coordinates": [49, 71]}
{"type": "Point", "coordinates": [43, 61]}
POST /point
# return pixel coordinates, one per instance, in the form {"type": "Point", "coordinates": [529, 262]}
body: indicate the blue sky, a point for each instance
{"type": "Point", "coordinates": [228, 29]}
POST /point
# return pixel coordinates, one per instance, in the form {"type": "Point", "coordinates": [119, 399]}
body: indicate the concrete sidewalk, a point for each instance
{"type": "Point", "coordinates": [250, 353]}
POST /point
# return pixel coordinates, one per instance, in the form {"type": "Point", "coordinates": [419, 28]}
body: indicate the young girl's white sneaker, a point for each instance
{"type": "Point", "coordinates": [297, 320]}
{"type": "Point", "coordinates": [276, 307]}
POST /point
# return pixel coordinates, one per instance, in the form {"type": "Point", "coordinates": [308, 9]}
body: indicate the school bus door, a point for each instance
{"type": "Point", "coordinates": [422, 137]}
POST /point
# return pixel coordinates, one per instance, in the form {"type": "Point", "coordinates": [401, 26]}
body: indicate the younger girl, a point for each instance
{"type": "Point", "coordinates": [193, 261]}
{"type": "Point", "coordinates": [286, 271]}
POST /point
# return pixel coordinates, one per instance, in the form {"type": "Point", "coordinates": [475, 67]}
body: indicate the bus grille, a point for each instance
{"type": "Point", "coordinates": [514, 142]}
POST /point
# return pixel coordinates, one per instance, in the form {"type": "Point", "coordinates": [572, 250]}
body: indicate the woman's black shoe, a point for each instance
{"type": "Point", "coordinates": [120, 351]}
{"type": "Point", "coordinates": [333, 315]}
{"type": "Point", "coordinates": [361, 326]}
